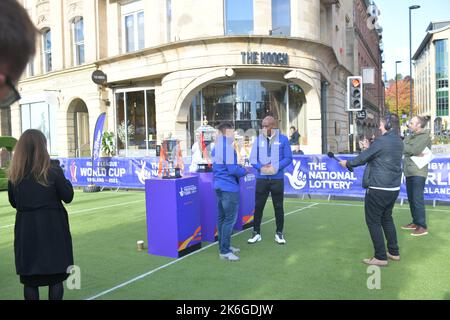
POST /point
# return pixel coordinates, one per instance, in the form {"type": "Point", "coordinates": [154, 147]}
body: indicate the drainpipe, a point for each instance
{"type": "Point", "coordinates": [323, 113]}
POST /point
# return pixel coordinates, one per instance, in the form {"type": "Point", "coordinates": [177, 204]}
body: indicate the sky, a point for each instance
{"type": "Point", "coordinates": [394, 20]}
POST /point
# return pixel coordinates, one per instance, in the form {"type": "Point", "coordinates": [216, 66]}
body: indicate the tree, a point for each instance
{"type": "Point", "coordinates": [403, 96]}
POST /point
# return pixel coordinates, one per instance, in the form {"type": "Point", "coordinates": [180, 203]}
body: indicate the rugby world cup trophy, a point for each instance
{"type": "Point", "coordinates": [206, 136]}
{"type": "Point", "coordinates": [170, 159]}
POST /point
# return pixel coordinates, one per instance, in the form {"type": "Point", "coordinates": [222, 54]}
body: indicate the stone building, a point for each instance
{"type": "Point", "coordinates": [170, 64]}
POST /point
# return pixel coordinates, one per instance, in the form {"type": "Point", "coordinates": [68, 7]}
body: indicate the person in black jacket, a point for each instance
{"type": "Point", "coordinates": [42, 240]}
{"type": "Point", "coordinates": [382, 179]}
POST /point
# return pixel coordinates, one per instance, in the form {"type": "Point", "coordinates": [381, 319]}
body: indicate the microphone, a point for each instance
{"type": "Point", "coordinates": [331, 155]}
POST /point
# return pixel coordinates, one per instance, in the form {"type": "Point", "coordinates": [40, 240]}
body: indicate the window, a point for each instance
{"type": "Point", "coordinates": [441, 59]}
{"type": "Point", "coordinates": [47, 50]}
{"type": "Point", "coordinates": [78, 40]}
{"type": "Point", "coordinates": [41, 116]}
{"type": "Point", "coordinates": [30, 68]}
{"type": "Point", "coordinates": [136, 122]}
{"type": "Point", "coordinates": [442, 104]}
{"type": "Point", "coordinates": [281, 17]}
{"type": "Point", "coordinates": [169, 19]}
{"type": "Point", "coordinates": [133, 26]}
{"type": "Point", "coordinates": [442, 78]}
{"type": "Point", "coordinates": [239, 17]}
{"type": "Point", "coordinates": [245, 103]}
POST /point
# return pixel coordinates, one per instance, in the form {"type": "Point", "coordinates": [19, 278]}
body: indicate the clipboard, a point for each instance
{"type": "Point", "coordinates": [421, 162]}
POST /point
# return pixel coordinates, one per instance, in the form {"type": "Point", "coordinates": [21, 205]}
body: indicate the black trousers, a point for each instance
{"type": "Point", "coordinates": [414, 188]}
{"type": "Point", "coordinates": [378, 206]}
{"type": "Point", "coordinates": [264, 187]}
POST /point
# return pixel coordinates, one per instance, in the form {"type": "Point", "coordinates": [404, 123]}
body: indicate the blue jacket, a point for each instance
{"type": "Point", "coordinates": [277, 152]}
{"type": "Point", "coordinates": [226, 169]}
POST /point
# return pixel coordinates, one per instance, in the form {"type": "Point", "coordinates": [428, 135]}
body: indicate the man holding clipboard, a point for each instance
{"type": "Point", "coordinates": [418, 155]}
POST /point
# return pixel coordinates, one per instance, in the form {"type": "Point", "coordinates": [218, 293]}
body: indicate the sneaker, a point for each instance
{"type": "Point", "coordinates": [255, 238]}
{"type": "Point", "coordinates": [410, 226]}
{"type": "Point", "coordinates": [279, 238]}
{"type": "Point", "coordinates": [229, 256]}
{"type": "Point", "coordinates": [375, 262]}
{"type": "Point", "coordinates": [235, 250]}
{"type": "Point", "coordinates": [419, 232]}
{"type": "Point", "coordinates": [392, 257]}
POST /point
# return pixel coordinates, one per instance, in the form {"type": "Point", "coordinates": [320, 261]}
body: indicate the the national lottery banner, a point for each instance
{"type": "Point", "coordinates": [309, 174]}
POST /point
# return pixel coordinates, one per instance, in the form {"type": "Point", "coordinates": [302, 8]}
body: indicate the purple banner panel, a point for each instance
{"type": "Point", "coordinates": [173, 219]}
{"type": "Point", "coordinates": [208, 206]}
{"type": "Point", "coordinates": [246, 212]}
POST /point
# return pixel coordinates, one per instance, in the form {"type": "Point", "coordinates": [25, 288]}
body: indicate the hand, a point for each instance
{"type": "Point", "coordinates": [268, 169]}
{"type": "Point", "coordinates": [364, 144]}
{"type": "Point", "coordinates": [343, 164]}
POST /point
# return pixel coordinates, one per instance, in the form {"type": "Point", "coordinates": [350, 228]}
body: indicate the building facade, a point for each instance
{"type": "Point", "coordinates": [169, 67]}
{"type": "Point", "coordinates": [431, 89]}
{"type": "Point", "coordinates": [368, 62]}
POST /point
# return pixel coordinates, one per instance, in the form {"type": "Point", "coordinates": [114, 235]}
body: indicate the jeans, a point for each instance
{"type": "Point", "coordinates": [414, 189]}
{"type": "Point", "coordinates": [378, 206]}
{"type": "Point", "coordinates": [228, 206]}
{"type": "Point", "coordinates": [276, 188]}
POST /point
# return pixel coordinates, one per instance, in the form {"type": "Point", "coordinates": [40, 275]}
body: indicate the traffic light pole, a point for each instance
{"type": "Point", "coordinates": [351, 130]}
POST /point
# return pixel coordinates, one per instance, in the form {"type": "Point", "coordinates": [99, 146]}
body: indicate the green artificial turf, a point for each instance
{"type": "Point", "coordinates": [326, 242]}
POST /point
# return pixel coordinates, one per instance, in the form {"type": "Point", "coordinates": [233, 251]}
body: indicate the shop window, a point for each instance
{"type": "Point", "coordinates": [40, 116]}
{"type": "Point", "coordinates": [136, 123]}
{"type": "Point", "coordinates": [245, 103]}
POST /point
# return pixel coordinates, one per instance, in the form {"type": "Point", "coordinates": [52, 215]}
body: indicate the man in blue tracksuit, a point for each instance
{"type": "Point", "coordinates": [226, 172]}
{"type": "Point", "coordinates": [271, 154]}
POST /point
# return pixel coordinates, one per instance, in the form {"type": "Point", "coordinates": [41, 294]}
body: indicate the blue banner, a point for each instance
{"type": "Point", "coordinates": [97, 138]}
{"type": "Point", "coordinates": [309, 174]}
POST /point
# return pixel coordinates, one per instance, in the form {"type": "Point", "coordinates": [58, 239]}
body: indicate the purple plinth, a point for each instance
{"type": "Point", "coordinates": [208, 206]}
{"type": "Point", "coordinates": [246, 212]}
{"type": "Point", "coordinates": [173, 220]}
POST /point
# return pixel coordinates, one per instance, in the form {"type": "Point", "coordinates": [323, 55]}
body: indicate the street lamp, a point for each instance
{"type": "Point", "coordinates": [410, 63]}
{"type": "Point", "coordinates": [396, 87]}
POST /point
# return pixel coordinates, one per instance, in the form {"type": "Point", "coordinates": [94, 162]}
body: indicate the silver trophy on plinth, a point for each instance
{"type": "Point", "coordinates": [170, 159]}
{"type": "Point", "coordinates": [206, 137]}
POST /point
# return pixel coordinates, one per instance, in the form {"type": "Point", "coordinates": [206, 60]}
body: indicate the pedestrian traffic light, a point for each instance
{"type": "Point", "coordinates": [354, 93]}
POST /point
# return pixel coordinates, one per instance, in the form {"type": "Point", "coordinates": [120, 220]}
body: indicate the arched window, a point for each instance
{"type": "Point", "coordinates": [78, 40]}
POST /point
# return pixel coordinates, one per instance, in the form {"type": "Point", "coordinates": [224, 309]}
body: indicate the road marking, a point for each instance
{"type": "Point", "coordinates": [184, 257]}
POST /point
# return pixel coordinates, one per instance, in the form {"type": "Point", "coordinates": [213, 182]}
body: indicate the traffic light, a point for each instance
{"type": "Point", "coordinates": [354, 93]}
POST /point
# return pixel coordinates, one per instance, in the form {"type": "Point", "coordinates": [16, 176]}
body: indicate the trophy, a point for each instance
{"type": "Point", "coordinates": [170, 159]}
{"type": "Point", "coordinates": [206, 136]}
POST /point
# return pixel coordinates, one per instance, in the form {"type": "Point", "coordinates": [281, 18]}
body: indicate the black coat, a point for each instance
{"type": "Point", "coordinates": [42, 240]}
{"type": "Point", "coordinates": [384, 162]}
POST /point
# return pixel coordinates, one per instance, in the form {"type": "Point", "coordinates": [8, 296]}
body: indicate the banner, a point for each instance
{"type": "Point", "coordinates": [97, 138]}
{"type": "Point", "coordinates": [308, 174]}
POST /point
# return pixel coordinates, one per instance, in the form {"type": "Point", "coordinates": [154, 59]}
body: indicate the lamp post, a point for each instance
{"type": "Point", "coordinates": [410, 63]}
{"type": "Point", "coordinates": [396, 86]}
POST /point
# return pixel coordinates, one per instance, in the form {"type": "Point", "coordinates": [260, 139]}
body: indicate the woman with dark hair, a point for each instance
{"type": "Point", "coordinates": [42, 240]}
{"type": "Point", "coordinates": [415, 145]}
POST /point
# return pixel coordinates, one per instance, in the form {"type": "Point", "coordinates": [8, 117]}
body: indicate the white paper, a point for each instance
{"type": "Point", "coordinates": [423, 161]}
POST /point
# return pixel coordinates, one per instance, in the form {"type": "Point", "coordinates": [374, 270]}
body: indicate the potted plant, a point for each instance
{"type": "Point", "coordinates": [108, 144]}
